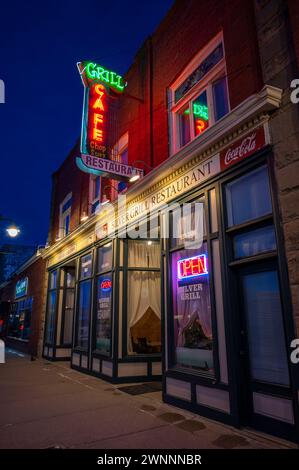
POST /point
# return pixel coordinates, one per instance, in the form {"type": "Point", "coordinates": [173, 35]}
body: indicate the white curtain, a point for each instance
{"type": "Point", "coordinates": [142, 255]}
{"type": "Point", "coordinates": [143, 286]}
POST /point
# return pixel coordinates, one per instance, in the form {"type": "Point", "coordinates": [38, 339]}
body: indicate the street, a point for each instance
{"type": "Point", "coordinates": [48, 405]}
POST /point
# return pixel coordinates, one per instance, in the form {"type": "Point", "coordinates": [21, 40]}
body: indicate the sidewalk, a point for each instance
{"type": "Point", "coordinates": [45, 405]}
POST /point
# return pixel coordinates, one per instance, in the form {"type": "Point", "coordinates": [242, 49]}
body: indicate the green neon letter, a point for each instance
{"type": "Point", "coordinates": [90, 72]}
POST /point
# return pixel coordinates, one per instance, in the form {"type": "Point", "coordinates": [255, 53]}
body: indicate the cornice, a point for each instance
{"type": "Point", "coordinates": [250, 114]}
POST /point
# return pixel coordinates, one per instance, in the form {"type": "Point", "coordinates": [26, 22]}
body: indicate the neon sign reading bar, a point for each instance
{"type": "Point", "coordinates": [190, 268]}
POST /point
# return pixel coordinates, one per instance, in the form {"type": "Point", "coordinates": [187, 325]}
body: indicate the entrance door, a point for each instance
{"type": "Point", "coordinates": [264, 374]}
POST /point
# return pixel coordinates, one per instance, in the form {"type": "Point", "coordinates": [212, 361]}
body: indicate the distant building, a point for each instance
{"type": "Point", "coordinates": [12, 257]}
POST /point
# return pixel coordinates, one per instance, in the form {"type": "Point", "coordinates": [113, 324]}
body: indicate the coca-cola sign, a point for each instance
{"type": "Point", "coordinates": [242, 148]}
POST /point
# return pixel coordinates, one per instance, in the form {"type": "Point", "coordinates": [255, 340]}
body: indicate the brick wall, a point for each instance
{"type": "Point", "coordinates": [36, 289]}
{"type": "Point", "coordinates": [279, 66]}
{"type": "Point", "coordinates": [185, 30]}
{"type": "Point", "coordinates": [293, 7]}
{"type": "Point", "coordinates": [68, 178]}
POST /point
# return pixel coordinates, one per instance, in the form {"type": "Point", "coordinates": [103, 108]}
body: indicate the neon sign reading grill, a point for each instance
{"type": "Point", "coordinates": [97, 72]}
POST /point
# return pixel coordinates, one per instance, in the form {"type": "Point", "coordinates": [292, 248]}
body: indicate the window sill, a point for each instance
{"type": "Point", "coordinates": [18, 339]}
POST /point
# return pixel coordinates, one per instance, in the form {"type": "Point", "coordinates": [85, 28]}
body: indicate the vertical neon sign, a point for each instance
{"type": "Point", "coordinates": [99, 83]}
{"type": "Point", "coordinates": [96, 138]}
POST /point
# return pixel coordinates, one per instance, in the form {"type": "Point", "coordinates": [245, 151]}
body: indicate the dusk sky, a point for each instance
{"type": "Point", "coordinates": [40, 43]}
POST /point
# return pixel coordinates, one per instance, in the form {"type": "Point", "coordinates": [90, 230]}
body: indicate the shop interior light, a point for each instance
{"type": "Point", "coordinates": [149, 242]}
{"type": "Point", "coordinates": [13, 231]}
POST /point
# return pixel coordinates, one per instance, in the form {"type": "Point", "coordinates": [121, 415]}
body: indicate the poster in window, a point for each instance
{"type": "Point", "coordinates": [103, 322]}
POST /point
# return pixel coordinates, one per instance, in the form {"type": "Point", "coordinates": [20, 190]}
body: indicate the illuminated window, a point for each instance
{"type": "Point", "coordinates": [199, 97]}
{"type": "Point", "coordinates": [95, 193]}
{"type": "Point", "coordinates": [119, 154]}
{"type": "Point", "coordinates": [19, 322]}
{"type": "Point", "coordinates": [65, 216]}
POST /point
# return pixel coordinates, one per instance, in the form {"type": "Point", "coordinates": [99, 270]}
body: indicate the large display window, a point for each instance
{"type": "Point", "coordinates": [192, 323]}
{"type": "Point", "coordinates": [84, 303]}
{"type": "Point", "coordinates": [104, 282]}
{"type": "Point", "coordinates": [20, 319]}
{"type": "Point", "coordinates": [192, 345]}
{"type": "Point", "coordinates": [143, 297]}
{"type": "Point", "coordinates": [51, 307]}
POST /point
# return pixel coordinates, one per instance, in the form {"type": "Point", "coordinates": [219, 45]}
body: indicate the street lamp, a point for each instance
{"type": "Point", "coordinates": [12, 230]}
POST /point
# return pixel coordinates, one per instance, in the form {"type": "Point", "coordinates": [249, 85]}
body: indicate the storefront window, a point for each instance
{"type": "Point", "coordinates": [105, 258]}
{"type": "Point", "coordinates": [51, 307]}
{"type": "Point", "coordinates": [83, 314]}
{"type": "Point", "coordinates": [188, 224]}
{"type": "Point", "coordinates": [104, 299]}
{"type": "Point", "coordinates": [104, 308]}
{"type": "Point", "coordinates": [20, 319]}
{"type": "Point", "coordinates": [255, 241]}
{"type": "Point", "coordinates": [69, 301]}
{"type": "Point", "coordinates": [53, 280]}
{"type": "Point", "coordinates": [144, 302]}
{"type": "Point", "coordinates": [248, 197]}
{"type": "Point", "coordinates": [84, 303]}
{"type": "Point", "coordinates": [86, 266]}
{"type": "Point", "coordinates": [192, 324]}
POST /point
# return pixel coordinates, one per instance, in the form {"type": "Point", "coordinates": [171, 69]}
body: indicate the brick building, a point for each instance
{"type": "Point", "coordinates": [22, 306]}
{"type": "Point", "coordinates": [207, 114]}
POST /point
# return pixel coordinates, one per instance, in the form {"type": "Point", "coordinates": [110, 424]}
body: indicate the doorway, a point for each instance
{"type": "Point", "coordinates": [265, 391]}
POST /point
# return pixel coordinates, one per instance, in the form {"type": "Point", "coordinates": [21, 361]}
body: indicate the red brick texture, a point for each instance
{"type": "Point", "coordinates": [36, 279]}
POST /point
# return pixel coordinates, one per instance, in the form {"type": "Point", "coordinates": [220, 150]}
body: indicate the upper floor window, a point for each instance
{"type": "Point", "coordinates": [65, 216]}
{"type": "Point", "coordinates": [119, 153]}
{"type": "Point", "coordinates": [199, 97]}
{"type": "Point", "coordinates": [95, 193]}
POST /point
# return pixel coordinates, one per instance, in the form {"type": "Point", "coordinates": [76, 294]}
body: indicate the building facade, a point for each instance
{"type": "Point", "coordinates": [213, 126]}
{"type": "Point", "coordinates": [22, 307]}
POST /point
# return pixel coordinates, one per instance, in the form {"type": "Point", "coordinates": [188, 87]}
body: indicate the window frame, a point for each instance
{"type": "Point", "coordinates": [126, 356]}
{"type": "Point", "coordinates": [64, 215]}
{"type": "Point", "coordinates": [205, 84]}
{"type": "Point", "coordinates": [209, 236]}
{"type": "Point", "coordinates": [49, 290]}
{"type": "Point", "coordinates": [117, 150]}
{"type": "Point", "coordinates": [63, 291]}
{"type": "Point", "coordinates": [19, 307]}
{"type": "Point", "coordinates": [79, 280]}
{"type": "Point", "coordinates": [259, 261]}
{"type": "Point", "coordinates": [93, 198]}
{"type": "Point", "coordinates": [111, 270]}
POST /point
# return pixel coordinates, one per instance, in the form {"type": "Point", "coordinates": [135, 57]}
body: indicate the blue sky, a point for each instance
{"type": "Point", "coordinates": [40, 43]}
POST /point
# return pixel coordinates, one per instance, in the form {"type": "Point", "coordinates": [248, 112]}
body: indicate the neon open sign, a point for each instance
{"type": "Point", "coordinates": [106, 285]}
{"type": "Point", "coordinates": [191, 268]}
